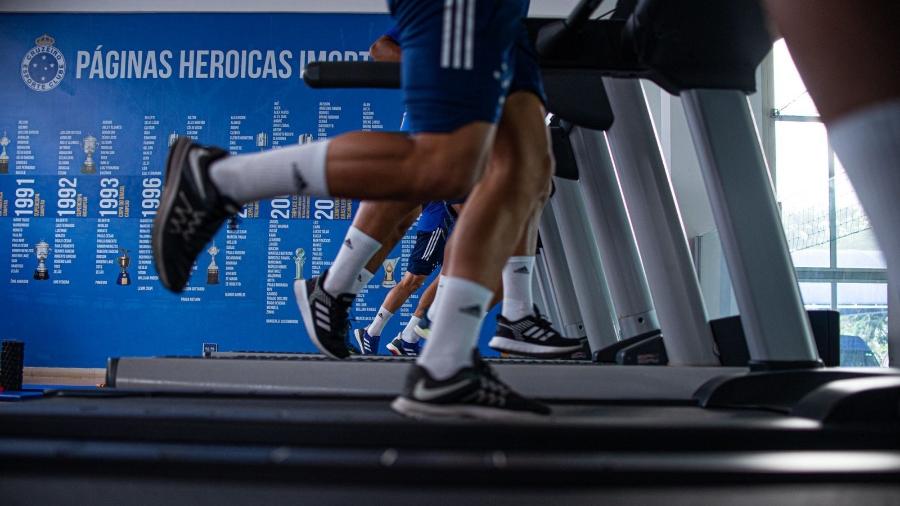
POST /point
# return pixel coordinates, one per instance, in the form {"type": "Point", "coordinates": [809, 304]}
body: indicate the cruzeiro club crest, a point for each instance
{"type": "Point", "coordinates": [44, 66]}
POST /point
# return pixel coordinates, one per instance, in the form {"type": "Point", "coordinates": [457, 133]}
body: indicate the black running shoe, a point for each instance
{"type": "Point", "coordinates": [400, 348]}
{"type": "Point", "coordinates": [325, 316]}
{"type": "Point", "coordinates": [191, 211]}
{"type": "Point", "coordinates": [473, 392]}
{"type": "Point", "coordinates": [533, 336]}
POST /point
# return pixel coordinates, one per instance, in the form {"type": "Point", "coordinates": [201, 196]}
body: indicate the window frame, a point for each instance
{"type": "Point", "coordinates": [832, 275]}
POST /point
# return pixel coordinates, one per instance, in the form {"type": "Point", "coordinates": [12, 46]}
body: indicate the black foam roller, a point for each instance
{"type": "Point", "coordinates": [12, 362]}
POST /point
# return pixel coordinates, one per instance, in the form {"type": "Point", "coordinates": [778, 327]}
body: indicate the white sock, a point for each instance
{"type": "Point", "coordinates": [454, 332]}
{"type": "Point", "coordinates": [362, 279]}
{"type": "Point", "coordinates": [356, 251]}
{"type": "Point", "coordinates": [294, 170]}
{"type": "Point", "coordinates": [409, 332]}
{"type": "Point", "coordinates": [437, 296]}
{"type": "Point", "coordinates": [381, 319]}
{"type": "Point", "coordinates": [868, 144]}
{"type": "Point", "coordinates": [517, 297]}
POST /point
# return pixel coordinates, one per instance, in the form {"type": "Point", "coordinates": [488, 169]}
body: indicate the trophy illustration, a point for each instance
{"type": "Point", "coordinates": [390, 267]}
{"type": "Point", "coordinates": [124, 261]}
{"type": "Point", "coordinates": [4, 158]}
{"type": "Point", "coordinates": [42, 251]}
{"type": "Point", "coordinates": [89, 144]}
{"type": "Point", "coordinates": [172, 138]}
{"type": "Point", "coordinates": [212, 271]}
{"type": "Point", "coordinates": [262, 140]}
{"type": "Point", "coordinates": [299, 260]}
{"type": "Point", "coordinates": [304, 139]}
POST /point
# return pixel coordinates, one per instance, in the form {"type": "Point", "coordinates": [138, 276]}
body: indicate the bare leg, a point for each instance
{"type": "Point", "coordinates": [373, 224]}
{"type": "Point", "coordinates": [846, 54]}
{"type": "Point", "coordinates": [431, 293]}
{"type": "Point", "coordinates": [404, 289]}
{"type": "Point", "coordinates": [369, 165]}
{"type": "Point", "coordinates": [419, 168]}
{"type": "Point", "coordinates": [385, 220]}
{"type": "Point", "coordinates": [377, 227]}
{"type": "Point", "coordinates": [528, 241]}
{"type": "Point", "coordinates": [840, 48]}
{"type": "Point", "coordinates": [491, 222]}
{"type": "Point", "coordinates": [518, 268]}
{"type": "Point", "coordinates": [363, 165]}
{"type": "Point", "coordinates": [427, 298]}
{"type": "Point", "coordinates": [518, 175]}
{"type": "Point", "coordinates": [392, 302]}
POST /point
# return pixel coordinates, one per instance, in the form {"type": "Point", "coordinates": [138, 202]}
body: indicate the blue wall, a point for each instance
{"type": "Point", "coordinates": [131, 81]}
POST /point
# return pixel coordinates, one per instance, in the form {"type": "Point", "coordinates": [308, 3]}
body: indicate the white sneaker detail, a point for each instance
{"type": "Point", "coordinates": [423, 393]}
{"type": "Point", "coordinates": [194, 163]}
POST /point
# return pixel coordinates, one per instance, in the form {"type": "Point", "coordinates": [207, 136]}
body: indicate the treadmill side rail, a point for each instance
{"type": "Point", "coordinates": [777, 390]}
{"type": "Point", "coordinates": [859, 400]}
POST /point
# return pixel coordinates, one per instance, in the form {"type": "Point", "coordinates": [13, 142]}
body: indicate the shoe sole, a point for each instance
{"type": "Point", "coordinates": [397, 352]}
{"type": "Point", "coordinates": [306, 314]}
{"type": "Point", "coordinates": [394, 350]}
{"type": "Point", "coordinates": [425, 411]}
{"type": "Point", "coordinates": [507, 345]}
{"type": "Point", "coordinates": [178, 154]}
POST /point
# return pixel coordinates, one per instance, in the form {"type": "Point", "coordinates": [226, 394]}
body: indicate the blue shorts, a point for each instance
{"type": "Point", "coordinates": [461, 58]}
{"type": "Point", "coordinates": [428, 253]}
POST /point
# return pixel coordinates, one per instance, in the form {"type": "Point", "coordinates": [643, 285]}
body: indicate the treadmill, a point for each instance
{"type": "Point", "coordinates": [780, 427]}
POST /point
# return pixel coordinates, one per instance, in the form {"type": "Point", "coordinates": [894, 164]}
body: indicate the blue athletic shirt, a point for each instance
{"type": "Point", "coordinates": [433, 216]}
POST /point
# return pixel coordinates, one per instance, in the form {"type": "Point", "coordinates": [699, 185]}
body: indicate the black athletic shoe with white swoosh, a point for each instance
{"type": "Point", "coordinates": [533, 336]}
{"type": "Point", "coordinates": [473, 392]}
{"type": "Point", "coordinates": [191, 211]}
{"type": "Point", "coordinates": [325, 316]}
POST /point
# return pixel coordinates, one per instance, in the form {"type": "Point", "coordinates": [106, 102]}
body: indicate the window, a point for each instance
{"type": "Point", "coordinates": [838, 262]}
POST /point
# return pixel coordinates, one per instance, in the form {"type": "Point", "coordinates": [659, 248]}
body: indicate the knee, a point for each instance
{"type": "Point", "coordinates": [412, 282]}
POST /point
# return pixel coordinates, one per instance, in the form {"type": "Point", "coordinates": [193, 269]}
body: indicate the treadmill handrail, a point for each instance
{"type": "Point", "coordinates": [582, 13]}
{"type": "Point", "coordinates": [580, 99]}
{"type": "Point", "coordinates": [552, 40]}
{"type": "Point", "coordinates": [352, 74]}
